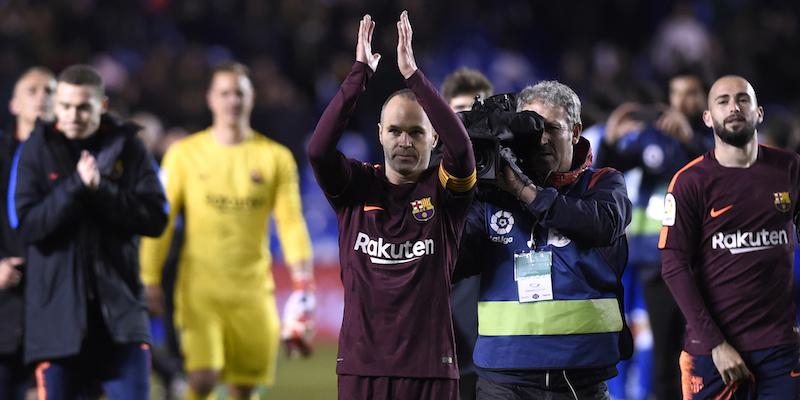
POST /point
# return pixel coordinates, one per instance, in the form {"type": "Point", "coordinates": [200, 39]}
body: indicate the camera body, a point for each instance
{"type": "Point", "coordinates": [500, 135]}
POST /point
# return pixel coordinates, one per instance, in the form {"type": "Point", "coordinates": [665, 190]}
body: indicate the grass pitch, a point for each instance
{"type": "Point", "coordinates": [306, 379]}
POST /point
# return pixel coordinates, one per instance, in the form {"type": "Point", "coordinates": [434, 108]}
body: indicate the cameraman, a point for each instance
{"type": "Point", "coordinates": [551, 255]}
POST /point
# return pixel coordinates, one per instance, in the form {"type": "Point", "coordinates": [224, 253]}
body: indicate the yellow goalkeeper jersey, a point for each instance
{"type": "Point", "coordinates": [227, 194]}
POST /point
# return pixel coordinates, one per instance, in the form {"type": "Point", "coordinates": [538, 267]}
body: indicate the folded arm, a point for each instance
{"type": "Point", "coordinates": [598, 218]}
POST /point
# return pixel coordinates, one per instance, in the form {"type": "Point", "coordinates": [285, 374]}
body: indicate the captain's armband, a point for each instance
{"type": "Point", "coordinates": [456, 184]}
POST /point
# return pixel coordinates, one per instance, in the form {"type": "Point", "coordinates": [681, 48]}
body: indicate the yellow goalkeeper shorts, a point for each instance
{"type": "Point", "coordinates": [239, 339]}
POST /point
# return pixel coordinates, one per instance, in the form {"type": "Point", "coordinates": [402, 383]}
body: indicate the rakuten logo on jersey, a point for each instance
{"type": "Point", "coordinates": [381, 252]}
{"type": "Point", "coordinates": [745, 242]}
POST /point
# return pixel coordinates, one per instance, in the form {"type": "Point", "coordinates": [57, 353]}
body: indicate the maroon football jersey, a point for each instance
{"type": "Point", "coordinates": [728, 239]}
{"type": "Point", "coordinates": [397, 243]}
{"type": "Point", "coordinates": [397, 247]}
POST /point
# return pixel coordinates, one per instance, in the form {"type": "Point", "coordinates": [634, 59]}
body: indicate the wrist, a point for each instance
{"type": "Point", "coordinates": [528, 194]}
{"type": "Point", "coordinates": [303, 280]}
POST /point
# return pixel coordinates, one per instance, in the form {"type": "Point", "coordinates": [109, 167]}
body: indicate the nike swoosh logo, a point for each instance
{"type": "Point", "coordinates": [794, 374]}
{"type": "Point", "coordinates": [372, 208]}
{"type": "Point", "coordinates": [716, 213]}
{"type": "Point", "coordinates": [749, 249]}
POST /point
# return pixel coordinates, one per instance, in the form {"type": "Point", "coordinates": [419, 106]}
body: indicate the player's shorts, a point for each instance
{"type": "Point", "coordinates": [239, 339]}
{"type": "Point", "coordinates": [775, 376]}
{"type": "Point", "coordinates": [354, 387]}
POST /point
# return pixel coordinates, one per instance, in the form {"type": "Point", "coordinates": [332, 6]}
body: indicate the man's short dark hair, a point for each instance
{"type": "Point", "coordinates": [694, 71]}
{"type": "Point", "coordinates": [466, 81]}
{"type": "Point", "coordinates": [38, 69]}
{"type": "Point", "coordinates": [402, 93]}
{"type": "Point", "coordinates": [81, 74]}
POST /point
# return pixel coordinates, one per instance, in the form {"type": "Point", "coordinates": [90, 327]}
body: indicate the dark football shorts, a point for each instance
{"type": "Point", "coordinates": [354, 387]}
{"type": "Point", "coordinates": [775, 375]}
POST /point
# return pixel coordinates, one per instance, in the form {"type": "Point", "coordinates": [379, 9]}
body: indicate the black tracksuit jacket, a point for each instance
{"type": "Point", "coordinates": [82, 245]}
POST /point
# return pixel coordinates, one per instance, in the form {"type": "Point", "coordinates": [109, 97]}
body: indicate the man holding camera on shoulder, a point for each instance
{"type": "Point", "coordinates": [551, 248]}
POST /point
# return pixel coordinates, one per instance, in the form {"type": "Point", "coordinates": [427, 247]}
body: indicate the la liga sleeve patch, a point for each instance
{"type": "Point", "coordinates": [670, 208]}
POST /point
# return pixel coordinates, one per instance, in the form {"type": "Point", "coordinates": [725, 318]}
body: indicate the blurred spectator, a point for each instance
{"type": "Point", "coordinates": [152, 131]}
{"type": "Point", "coordinates": [681, 39]}
{"type": "Point", "coordinates": [781, 130]}
{"type": "Point", "coordinates": [32, 100]}
{"type": "Point", "coordinates": [460, 89]}
{"type": "Point", "coordinates": [655, 141]}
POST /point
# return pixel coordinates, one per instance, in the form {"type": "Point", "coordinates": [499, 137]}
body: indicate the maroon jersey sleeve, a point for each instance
{"type": "Point", "coordinates": [331, 168]}
{"type": "Point", "coordinates": [679, 238]}
{"type": "Point", "coordinates": [458, 163]}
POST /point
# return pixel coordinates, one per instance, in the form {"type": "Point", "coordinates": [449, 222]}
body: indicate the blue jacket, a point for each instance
{"type": "Point", "coordinates": [649, 159]}
{"type": "Point", "coordinates": [582, 222]}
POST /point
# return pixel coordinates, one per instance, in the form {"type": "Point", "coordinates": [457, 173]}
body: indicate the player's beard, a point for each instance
{"type": "Point", "coordinates": [737, 138]}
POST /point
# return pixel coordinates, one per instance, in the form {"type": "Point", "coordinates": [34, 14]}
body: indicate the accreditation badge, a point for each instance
{"type": "Point", "coordinates": [533, 271]}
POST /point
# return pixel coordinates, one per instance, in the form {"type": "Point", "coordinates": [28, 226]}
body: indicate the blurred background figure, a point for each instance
{"type": "Point", "coordinates": [650, 142]}
{"type": "Point", "coordinates": [167, 361]}
{"type": "Point", "coordinates": [152, 132]}
{"type": "Point", "coordinates": [32, 99]}
{"type": "Point", "coordinates": [461, 87]}
{"type": "Point", "coordinates": [82, 191]}
{"type": "Point", "coordinates": [459, 90]}
{"type": "Point", "coordinates": [228, 180]}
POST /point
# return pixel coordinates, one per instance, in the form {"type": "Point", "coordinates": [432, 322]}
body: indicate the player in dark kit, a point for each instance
{"type": "Point", "coordinates": [727, 242]}
{"type": "Point", "coordinates": [399, 228]}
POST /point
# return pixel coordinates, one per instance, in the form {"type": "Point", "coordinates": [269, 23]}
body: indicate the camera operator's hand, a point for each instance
{"type": "Point", "coordinates": [621, 122]}
{"type": "Point", "coordinates": [510, 182]}
{"type": "Point", "coordinates": [364, 47]}
{"type": "Point", "coordinates": [405, 54]}
{"type": "Point", "coordinates": [675, 124]}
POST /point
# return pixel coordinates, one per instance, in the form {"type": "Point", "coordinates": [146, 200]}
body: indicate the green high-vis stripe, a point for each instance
{"type": "Point", "coordinates": [643, 224]}
{"type": "Point", "coordinates": [551, 317]}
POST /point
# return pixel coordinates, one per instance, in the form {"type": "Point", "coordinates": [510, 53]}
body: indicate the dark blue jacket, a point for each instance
{"type": "Point", "coordinates": [83, 244]}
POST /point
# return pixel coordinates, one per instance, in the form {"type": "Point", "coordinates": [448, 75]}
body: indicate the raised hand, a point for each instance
{"type": "Point", "coordinates": [405, 54]}
{"type": "Point", "coordinates": [364, 46]}
{"type": "Point", "coordinates": [675, 124]}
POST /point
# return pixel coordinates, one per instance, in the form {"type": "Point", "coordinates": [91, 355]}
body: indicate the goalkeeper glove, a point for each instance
{"type": "Point", "coordinates": [299, 316]}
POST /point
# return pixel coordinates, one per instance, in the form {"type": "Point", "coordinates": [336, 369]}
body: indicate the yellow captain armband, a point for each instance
{"type": "Point", "coordinates": [456, 184]}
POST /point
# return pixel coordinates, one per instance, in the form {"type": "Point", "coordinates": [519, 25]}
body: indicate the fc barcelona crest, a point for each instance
{"type": "Point", "coordinates": [117, 172]}
{"type": "Point", "coordinates": [422, 209]}
{"type": "Point", "coordinates": [782, 202]}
